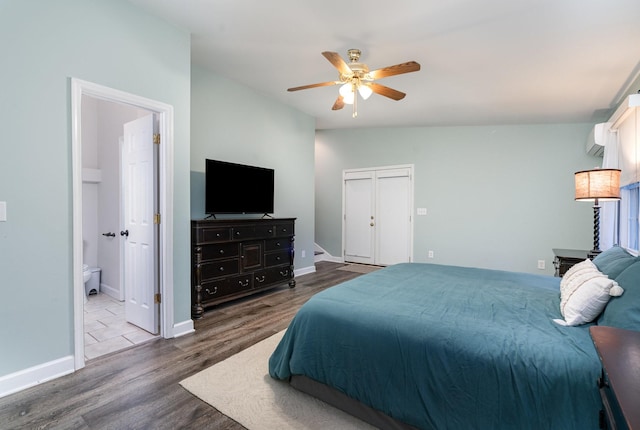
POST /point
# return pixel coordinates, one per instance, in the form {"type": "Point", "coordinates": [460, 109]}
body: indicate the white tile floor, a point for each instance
{"type": "Point", "coordinates": [105, 327]}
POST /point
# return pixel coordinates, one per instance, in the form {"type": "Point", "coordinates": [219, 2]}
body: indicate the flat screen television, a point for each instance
{"type": "Point", "coordinates": [232, 188]}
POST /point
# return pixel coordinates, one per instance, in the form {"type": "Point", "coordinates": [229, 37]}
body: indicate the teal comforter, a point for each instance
{"type": "Point", "coordinates": [447, 347]}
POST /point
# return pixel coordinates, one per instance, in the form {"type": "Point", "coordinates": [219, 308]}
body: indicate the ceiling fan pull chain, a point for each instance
{"type": "Point", "coordinates": [355, 100]}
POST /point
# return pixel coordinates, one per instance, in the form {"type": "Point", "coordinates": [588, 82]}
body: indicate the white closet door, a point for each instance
{"type": "Point", "coordinates": [377, 225]}
{"type": "Point", "coordinates": [358, 214]}
{"type": "Point", "coordinates": [393, 217]}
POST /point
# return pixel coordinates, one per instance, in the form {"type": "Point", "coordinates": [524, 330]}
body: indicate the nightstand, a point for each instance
{"type": "Point", "coordinates": [565, 258]}
{"type": "Point", "coordinates": [619, 352]}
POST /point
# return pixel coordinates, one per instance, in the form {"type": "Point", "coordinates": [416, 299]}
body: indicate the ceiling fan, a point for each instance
{"type": "Point", "coordinates": [356, 77]}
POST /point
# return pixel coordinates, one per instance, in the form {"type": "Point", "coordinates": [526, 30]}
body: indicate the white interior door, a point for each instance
{"type": "Point", "coordinates": [393, 216]}
{"type": "Point", "coordinates": [378, 204]}
{"type": "Point", "coordinates": [139, 230]}
{"type": "Point", "coordinates": [359, 217]}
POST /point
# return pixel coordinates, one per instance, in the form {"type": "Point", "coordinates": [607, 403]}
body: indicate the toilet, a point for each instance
{"type": "Point", "coordinates": [86, 273]}
{"type": "Point", "coordinates": [91, 277]}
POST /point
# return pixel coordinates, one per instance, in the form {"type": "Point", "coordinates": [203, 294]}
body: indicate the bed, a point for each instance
{"type": "Point", "coordinates": [430, 346]}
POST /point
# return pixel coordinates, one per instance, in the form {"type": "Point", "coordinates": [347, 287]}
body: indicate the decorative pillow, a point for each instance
{"type": "Point", "coordinates": [613, 261]}
{"type": "Point", "coordinates": [576, 270]}
{"type": "Point", "coordinates": [585, 296]}
{"type": "Point", "coordinates": [624, 312]}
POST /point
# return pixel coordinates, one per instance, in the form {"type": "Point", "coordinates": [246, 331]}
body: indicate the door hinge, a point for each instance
{"type": "Point", "coordinates": [156, 138]}
{"type": "Point", "coordinates": [157, 298]}
{"type": "Point", "coordinates": [156, 218]}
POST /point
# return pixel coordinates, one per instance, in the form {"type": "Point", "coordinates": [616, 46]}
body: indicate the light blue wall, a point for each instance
{"type": "Point", "coordinates": [497, 197]}
{"type": "Point", "coordinates": [43, 44]}
{"type": "Point", "coordinates": [230, 122]}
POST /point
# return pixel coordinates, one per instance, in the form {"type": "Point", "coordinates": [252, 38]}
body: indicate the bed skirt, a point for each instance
{"type": "Point", "coordinates": [345, 403]}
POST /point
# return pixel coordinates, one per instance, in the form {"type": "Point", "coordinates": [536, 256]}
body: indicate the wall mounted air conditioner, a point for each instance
{"type": "Point", "coordinates": [596, 139]}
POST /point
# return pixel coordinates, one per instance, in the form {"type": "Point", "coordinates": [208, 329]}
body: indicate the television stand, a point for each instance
{"type": "Point", "coordinates": [236, 258]}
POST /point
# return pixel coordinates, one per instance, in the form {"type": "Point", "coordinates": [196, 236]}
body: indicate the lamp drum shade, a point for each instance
{"type": "Point", "coordinates": [598, 184]}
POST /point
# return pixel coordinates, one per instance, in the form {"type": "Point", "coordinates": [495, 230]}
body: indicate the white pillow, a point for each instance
{"type": "Point", "coordinates": [576, 270]}
{"type": "Point", "coordinates": [585, 295]}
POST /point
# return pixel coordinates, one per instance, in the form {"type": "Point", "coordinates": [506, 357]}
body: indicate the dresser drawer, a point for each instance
{"type": "Point", "coordinates": [216, 269]}
{"type": "Point", "coordinates": [268, 230]}
{"type": "Point", "coordinates": [284, 229]}
{"type": "Point", "coordinates": [243, 232]}
{"type": "Point", "coordinates": [216, 251]}
{"type": "Point", "coordinates": [277, 258]}
{"type": "Point", "coordinates": [612, 415]}
{"type": "Point", "coordinates": [223, 287]}
{"type": "Point", "coordinates": [212, 234]}
{"type": "Point", "coordinates": [271, 276]}
{"type": "Point", "coordinates": [277, 244]}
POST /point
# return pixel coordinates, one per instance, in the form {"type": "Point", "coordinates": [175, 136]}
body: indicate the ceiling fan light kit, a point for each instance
{"type": "Point", "coordinates": [356, 76]}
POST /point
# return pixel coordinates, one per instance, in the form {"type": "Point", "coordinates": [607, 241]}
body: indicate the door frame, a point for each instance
{"type": "Point", "coordinates": [411, 205]}
{"type": "Point", "coordinates": [164, 114]}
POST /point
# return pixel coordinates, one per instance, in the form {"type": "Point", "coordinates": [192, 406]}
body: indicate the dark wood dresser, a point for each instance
{"type": "Point", "coordinates": [619, 352]}
{"type": "Point", "coordinates": [235, 258]}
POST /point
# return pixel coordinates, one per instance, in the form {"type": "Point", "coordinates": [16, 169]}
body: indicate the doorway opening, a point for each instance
{"type": "Point", "coordinates": [83, 92]}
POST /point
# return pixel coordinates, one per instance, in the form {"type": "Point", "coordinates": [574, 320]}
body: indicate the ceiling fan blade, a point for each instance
{"type": "Point", "coordinates": [339, 104]}
{"type": "Point", "coordinates": [386, 91]}
{"type": "Point", "coordinates": [398, 69]}
{"type": "Point", "coordinates": [321, 84]}
{"type": "Point", "coordinates": [337, 61]}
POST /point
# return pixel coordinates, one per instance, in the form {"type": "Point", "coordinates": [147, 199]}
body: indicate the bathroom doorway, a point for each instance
{"type": "Point", "coordinates": [99, 115]}
{"type": "Point", "coordinates": [119, 236]}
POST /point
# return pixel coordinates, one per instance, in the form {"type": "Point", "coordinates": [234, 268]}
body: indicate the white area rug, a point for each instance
{"type": "Point", "coordinates": [240, 387]}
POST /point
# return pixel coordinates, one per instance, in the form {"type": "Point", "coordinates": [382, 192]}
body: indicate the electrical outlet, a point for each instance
{"type": "Point", "coordinates": [430, 254]}
{"type": "Point", "coordinates": [541, 264]}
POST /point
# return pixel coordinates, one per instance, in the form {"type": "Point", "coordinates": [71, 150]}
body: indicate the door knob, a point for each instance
{"type": "Point", "coordinates": [124, 233]}
{"type": "Point", "coordinates": [371, 224]}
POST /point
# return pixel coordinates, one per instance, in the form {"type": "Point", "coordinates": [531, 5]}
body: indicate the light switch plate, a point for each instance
{"type": "Point", "coordinates": [422, 211]}
{"type": "Point", "coordinates": [3, 211]}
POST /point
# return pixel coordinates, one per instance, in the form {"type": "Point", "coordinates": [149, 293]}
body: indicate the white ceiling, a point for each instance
{"type": "Point", "coordinates": [483, 61]}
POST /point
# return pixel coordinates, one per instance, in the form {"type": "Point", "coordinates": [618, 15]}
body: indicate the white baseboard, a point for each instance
{"type": "Point", "coordinates": [323, 255]}
{"type": "Point", "coordinates": [111, 292]}
{"type": "Point", "coordinates": [304, 270]}
{"type": "Point", "coordinates": [327, 257]}
{"type": "Point", "coordinates": [182, 328]}
{"type": "Point", "coordinates": [35, 375]}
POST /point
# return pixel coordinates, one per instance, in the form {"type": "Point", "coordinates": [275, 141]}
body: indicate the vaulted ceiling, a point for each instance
{"type": "Point", "coordinates": [482, 62]}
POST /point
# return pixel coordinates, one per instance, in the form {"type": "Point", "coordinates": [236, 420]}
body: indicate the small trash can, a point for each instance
{"type": "Point", "coordinates": [93, 284]}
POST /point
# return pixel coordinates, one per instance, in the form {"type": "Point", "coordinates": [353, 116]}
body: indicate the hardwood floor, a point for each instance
{"type": "Point", "coordinates": [138, 388]}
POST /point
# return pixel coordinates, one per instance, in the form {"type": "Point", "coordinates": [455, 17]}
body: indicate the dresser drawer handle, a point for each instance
{"type": "Point", "coordinates": [221, 251]}
{"type": "Point", "coordinates": [237, 233]}
{"type": "Point", "coordinates": [278, 258]}
{"type": "Point", "coordinates": [284, 272]}
{"type": "Point", "coordinates": [277, 243]}
{"type": "Point", "coordinates": [221, 268]}
{"type": "Point", "coordinates": [244, 284]}
{"type": "Point", "coordinates": [211, 293]}
{"type": "Point", "coordinates": [260, 279]}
